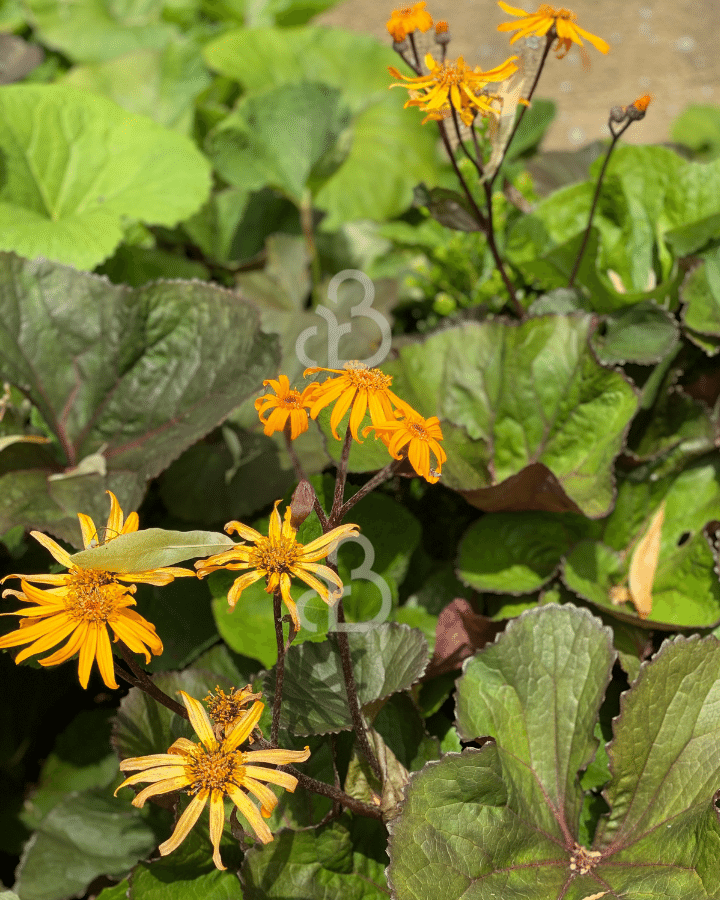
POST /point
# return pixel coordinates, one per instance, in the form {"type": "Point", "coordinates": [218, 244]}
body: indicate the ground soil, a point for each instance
{"type": "Point", "coordinates": [671, 50]}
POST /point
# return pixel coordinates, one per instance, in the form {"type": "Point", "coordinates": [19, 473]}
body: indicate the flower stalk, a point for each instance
{"type": "Point", "coordinates": [143, 682]}
{"type": "Point", "coordinates": [618, 115]}
{"type": "Point", "coordinates": [280, 667]}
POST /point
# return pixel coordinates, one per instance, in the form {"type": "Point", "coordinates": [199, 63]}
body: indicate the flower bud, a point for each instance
{"type": "Point", "coordinates": [638, 108]}
{"type": "Point", "coordinates": [618, 114]}
{"type": "Point", "coordinates": [301, 505]}
{"type": "Point", "coordinates": [442, 33]}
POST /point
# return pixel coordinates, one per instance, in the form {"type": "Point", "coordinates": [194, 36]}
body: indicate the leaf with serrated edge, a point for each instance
{"type": "Point", "coordinates": [512, 395]}
{"type": "Point", "coordinates": [540, 683]}
{"type": "Point", "coordinates": [387, 658]}
{"type": "Point", "coordinates": [463, 829]}
{"type": "Point", "coordinates": [92, 357]}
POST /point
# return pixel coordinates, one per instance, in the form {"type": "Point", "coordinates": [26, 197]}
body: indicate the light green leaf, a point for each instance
{"type": "Point", "coordinates": [151, 548]}
{"type": "Point", "coordinates": [286, 138]}
{"type": "Point", "coordinates": [698, 127]}
{"type": "Point", "coordinates": [77, 167]}
{"type": "Point", "coordinates": [97, 30]}
{"type": "Point", "coordinates": [377, 179]}
{"type": "Point", "coordinates": [161, 84]}
{"type": "Point", "coordinates": [264, 58]}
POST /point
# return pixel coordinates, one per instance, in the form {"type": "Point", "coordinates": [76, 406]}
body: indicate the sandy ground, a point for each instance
{"type": "Point", "coordinates": [671, 50]}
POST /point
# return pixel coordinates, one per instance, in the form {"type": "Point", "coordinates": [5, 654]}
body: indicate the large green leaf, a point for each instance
{"type": "Point", "coordinates": [386, 659]}
{"type": "Point", "coordinates": [161, 84]}
{"type": "Point", "coordinates": [505, 820]}
{"type": "Point", "coordinates": [685, 589]}
{"type": "Point", "coordinates": [665, 764]}
{"type": "Point", "coordinates": [515, 397]}
{"type": "Point", "coordinates": [84, 836]}
{"type": "Point", "coordinates": [77, 168]}
{"type": "Point", "coordinates": [516, 553]}
{"type": "Point", "coordinates": [649, 194]}
{"type": "Point", "coordinates": [263, 58]}
{"type": "Point", "coordinates": [344, 859]}
{"type": "Point", "coordinates": [377, 178]}
{"type": "Point", "coordinates": [287, 138]}
{"type": "Point", "coordinates": [540, 686]}
{"type": "Point", "coordinates": [701, 295]}
{"type": "Point", "coordinates": [124, 380]}
{"type": "Point", "coordinates": [96, 30]}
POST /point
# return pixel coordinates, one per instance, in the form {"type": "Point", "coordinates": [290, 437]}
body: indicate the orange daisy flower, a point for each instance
{"type": "Point", "coordinates": [278, 558]}
{"type": "Point", "coordinates": [454, 83]}
{"type": "Point", "coordinates": [419, 436]}
{"type": "Point", "coordinates": [81, 603]}
{"type": "Point", "coordinates": [404, 21]}
{"type": "Point", "coordinates": [286, 404]}
{"type": "Point", "coordinates": [212, 770]}
{"type": "Point", "coordinates": [357, 387]}
{"type": "Point", "coordinates": [547, 17]}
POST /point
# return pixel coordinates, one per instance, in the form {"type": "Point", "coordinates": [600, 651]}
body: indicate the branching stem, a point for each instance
{"type": "Point", "coordinates": [142, 680]}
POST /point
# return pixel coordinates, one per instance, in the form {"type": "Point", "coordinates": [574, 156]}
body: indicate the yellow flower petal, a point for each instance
{"type": "Point", "coordinates": [185, 823]}
{"type": "Point", "coordinates": [62, 556]}
{"type": "Point", "coordinates": [240, 799]}
{"type": "Point", "coordinates": [217, 820]}
{"type": "Point", "coordinates": [243, 729]}
{"type": "Point", "coordinates": [199, 720]}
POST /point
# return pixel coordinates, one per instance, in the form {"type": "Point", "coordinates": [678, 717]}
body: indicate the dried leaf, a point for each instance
{"type": "Point", "coordinates": [512, 91]}
{"type": "Point", "coordinates": [644, 563]}
{"type": "Point", "coordinates": [460, 633]}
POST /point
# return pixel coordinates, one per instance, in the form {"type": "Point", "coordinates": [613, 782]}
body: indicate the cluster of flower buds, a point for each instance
{"type": "Point", "coordinates": [632, 113]}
